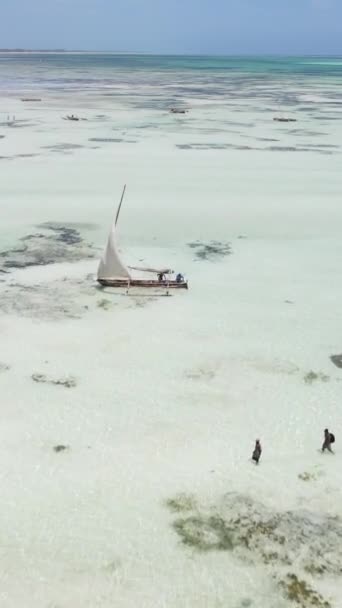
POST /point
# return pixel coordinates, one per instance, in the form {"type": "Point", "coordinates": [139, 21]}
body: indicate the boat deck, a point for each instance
{"type": "Point", "coordinates": [143, 283]}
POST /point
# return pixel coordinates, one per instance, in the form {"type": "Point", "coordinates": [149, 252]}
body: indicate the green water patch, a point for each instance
{"type": "Point", "coordinates": [205, 533]}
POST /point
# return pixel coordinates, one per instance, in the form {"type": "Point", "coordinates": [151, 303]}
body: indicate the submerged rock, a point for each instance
{"type": "Point", "coordinates": [62, 147]}
{"type": "Point", "coordinates": [337, 360]}
{"type": "Point", "coordinates": [68, 382]}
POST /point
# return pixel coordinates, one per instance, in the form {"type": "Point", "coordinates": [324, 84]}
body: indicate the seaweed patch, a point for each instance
{"type": "Point", "coordinates": [301, 593]}
{"type": "Point", "coordinates": [311, 377]}
{"type": "Point", "coordinates": [63, 147]}
{"type": "Point", "coordinates": [201, 373]}
{"type": "Point", "coordinates": [305, 541]}
{"type": "Point", "coordinates": [110, 140]}
{"type": "Point", "coordinates": [214, 146]}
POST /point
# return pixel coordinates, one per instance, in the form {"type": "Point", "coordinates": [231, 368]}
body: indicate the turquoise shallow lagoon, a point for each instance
{"type": "Point", "coordinates": [128, 421]}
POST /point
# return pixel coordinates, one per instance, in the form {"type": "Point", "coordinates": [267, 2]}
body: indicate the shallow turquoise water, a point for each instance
{"type": "Point", "coordinates": [56, 68]}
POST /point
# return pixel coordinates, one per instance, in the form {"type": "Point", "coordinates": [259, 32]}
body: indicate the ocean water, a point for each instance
{"type": "Point", "coordinates": [129, 419]}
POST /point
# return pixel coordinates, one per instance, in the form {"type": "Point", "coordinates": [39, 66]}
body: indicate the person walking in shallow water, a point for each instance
{"type": "Point", "coordinates": [329, 438]}
{"type": "Point", "coordinates": [257, 452]}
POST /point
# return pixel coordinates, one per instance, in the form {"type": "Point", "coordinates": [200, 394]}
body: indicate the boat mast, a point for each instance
{"type": "Point", "coordinates": [119, 208]}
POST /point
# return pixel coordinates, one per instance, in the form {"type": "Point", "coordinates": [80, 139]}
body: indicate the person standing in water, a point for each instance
{"type": "Point", "coordinates": [257, 451]}
{"type": "Point", "coordinates": [329, 438]}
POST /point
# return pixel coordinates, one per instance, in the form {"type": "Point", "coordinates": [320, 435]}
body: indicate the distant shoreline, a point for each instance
{"type": "Point", "coordinates": [19, 51]}
{"type": "Point", "coordinates": [58, 52]}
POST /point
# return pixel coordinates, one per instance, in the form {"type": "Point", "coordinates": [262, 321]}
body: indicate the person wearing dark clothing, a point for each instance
{"type": "Point", "coordinates": [257, 452]}
{"type": "Point", "coordinates": [161, 277]}
{"type": "Point", "coordinates": [179, 278]}
{"type": "Point", "coordinates": [328, 440]}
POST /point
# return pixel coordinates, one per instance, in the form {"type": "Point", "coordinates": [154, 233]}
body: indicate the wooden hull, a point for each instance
{"type": "Point", "coordinates": [143, 283]}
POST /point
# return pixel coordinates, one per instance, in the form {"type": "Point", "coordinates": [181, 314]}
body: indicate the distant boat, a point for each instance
{"type": "Point", "coordinates": [178, 111]}
{"type": "Point", "coordinates": [112, 272]}
{"type": "Point", "coordinates": [284, 119]}
{"type": "Point", "coordinates": [31, 99]}
{"type": "Point", "coordinates": [72, 117]}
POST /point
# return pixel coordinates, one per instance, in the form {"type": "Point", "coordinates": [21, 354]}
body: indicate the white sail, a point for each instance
{"type": "Point", "coordinates": [111, 266]}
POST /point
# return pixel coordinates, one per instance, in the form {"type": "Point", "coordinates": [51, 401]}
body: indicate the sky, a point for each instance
{"type": "Point", "coordinates": [175, 26]}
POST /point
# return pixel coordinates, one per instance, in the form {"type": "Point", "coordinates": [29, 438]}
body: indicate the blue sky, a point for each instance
{"type": "Point", "coordinates": [175, 26]}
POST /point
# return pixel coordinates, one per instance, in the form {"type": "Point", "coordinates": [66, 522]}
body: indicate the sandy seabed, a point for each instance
{"type": "Point", "coordinates": [128, 421]}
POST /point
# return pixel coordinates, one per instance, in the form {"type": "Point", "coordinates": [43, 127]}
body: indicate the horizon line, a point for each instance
{"type": "Point", "coordinates": [18, 51]}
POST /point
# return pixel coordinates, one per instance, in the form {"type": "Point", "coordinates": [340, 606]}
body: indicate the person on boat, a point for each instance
{"type": "Point", "coordinates": [161, 277]}
{"type": "Point", "coordinates": [179, 278]}
{"type": "Point", "coordinates": [329, 438]}
{"type": "Point", "coordinates": [257, 451]}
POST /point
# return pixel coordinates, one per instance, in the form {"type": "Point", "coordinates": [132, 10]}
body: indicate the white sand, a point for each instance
{"type": "Point", "coordinates": [171, 393]}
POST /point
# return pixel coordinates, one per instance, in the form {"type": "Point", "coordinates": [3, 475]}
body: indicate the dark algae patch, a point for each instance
{"type": "Point", "coordinates": [51, 300]}
{"type": "Point", "coordinates": [68, 382]}
{"type": "Point", "coordinates": [182, 502]}
{"type": "Point", "coordinates": [53, 243]}
{"type": "Point", "coordinates": [60, 448]}
{"type": "Point", "coordinates": [311, 377]}
{"type": "Point", "coordinates": [214, 250]}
